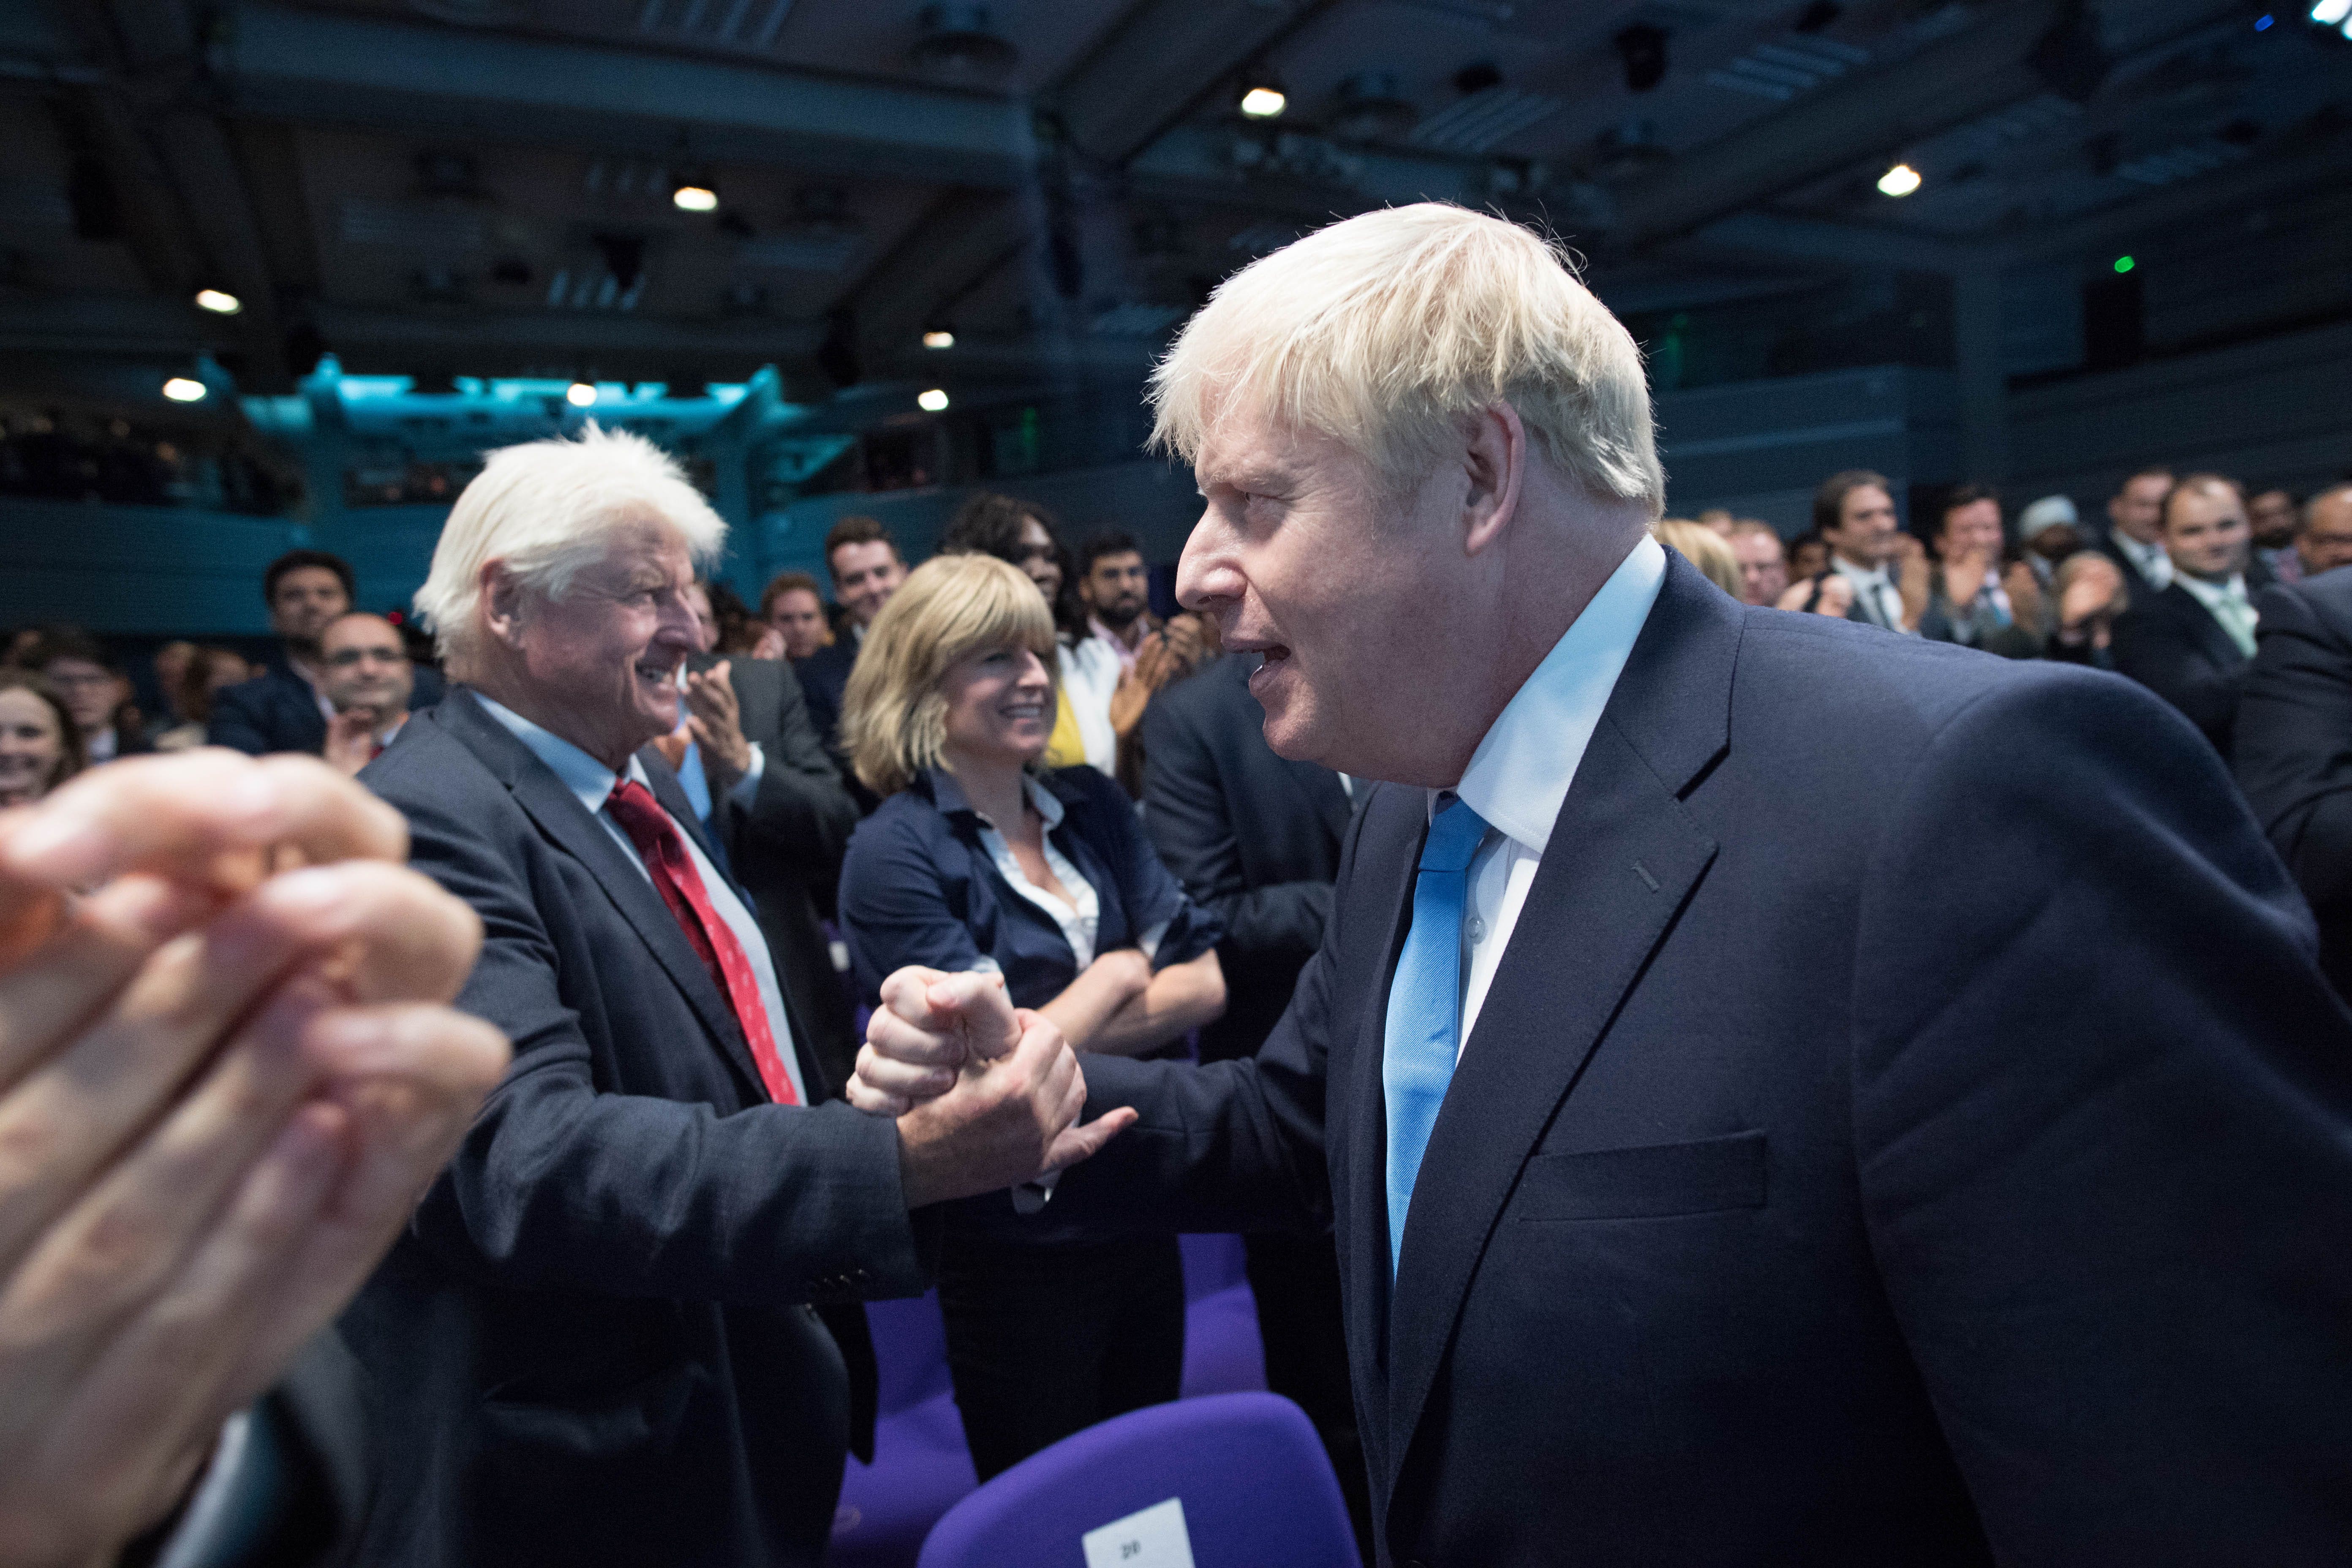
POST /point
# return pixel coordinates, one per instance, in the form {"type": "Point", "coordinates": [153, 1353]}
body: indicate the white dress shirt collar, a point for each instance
{"type": "Point", "coordinates": [1862, 577]}
{"type": "Point", "coordinates": [1519, 775]}
{"type": "Point", "coordinates": [583, 774]}
{"type": "Point", "coordinates": [2230, 590]}
{"type": "Point", "coordinates": [2153, 560]}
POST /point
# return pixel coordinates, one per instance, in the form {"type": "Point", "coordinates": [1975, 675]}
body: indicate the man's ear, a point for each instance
{"type": "Point", "coordinates": [502, 597]}
{"type": "Point", "coordinates": [1495, 464]}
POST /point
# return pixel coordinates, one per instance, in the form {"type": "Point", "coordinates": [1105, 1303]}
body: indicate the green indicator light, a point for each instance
{"type": "Point", "coordinates": [2125, 264]}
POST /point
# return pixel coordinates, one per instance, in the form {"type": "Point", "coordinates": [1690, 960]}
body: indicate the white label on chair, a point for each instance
{"type": "Point", "coordinates": [1152, 1539]}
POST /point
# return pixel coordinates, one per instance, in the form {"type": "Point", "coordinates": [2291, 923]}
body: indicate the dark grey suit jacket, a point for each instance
{"type": "Point", "coordinates": [2293, 756]}
{"type": "Point", "coordinates": [786, 849]}
{"type": "Point", "coordinates": [1251, 835]}
{"type": "Point", "coordinates": [1906, 1128]}
{"type": "Point", "coordinates": [2172, 644]}
{"type": "Point", "coordinates": [592, 1345]}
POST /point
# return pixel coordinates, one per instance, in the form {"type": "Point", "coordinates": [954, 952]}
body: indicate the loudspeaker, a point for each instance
{"type": "Point", "coordinates": [2114, 323]}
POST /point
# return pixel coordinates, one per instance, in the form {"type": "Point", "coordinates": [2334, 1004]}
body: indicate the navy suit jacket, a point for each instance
{"type": "Point", "coordinates": [593, 1344]}
{"type": "Point", "coordinates": [1250, 834]}
{"type": "Point", "coordinates": [278, 711]}
{"type": "Point", "coordinates": [2294, 755]}
{"type": "Point", "coordinates": [2170, 643]}
{"type": "Point", "coordinates": [1908, 1125]}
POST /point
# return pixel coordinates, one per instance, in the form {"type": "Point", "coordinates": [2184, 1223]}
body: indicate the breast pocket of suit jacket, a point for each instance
{"type": "Point", "coordinates": [1658, 1181]}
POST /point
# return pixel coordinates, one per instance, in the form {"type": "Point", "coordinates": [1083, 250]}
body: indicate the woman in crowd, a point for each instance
{"type": "Point", "coordinates": [40, 745]}
{"type": "Point", "coordinates": [1703, 548]}
{"type": "Point", "coordinates": [1086, 669]}
{"type": "Point", "coordinates": [979, 859]}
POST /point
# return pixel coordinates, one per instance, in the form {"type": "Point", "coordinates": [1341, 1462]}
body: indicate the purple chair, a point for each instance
{"type": "Point", "coordinates": [1246, 1469]}
{"type": "Point", "coordinates": [1222, 1353]}
{"type": "Point", "coordinates": [920, 1464]}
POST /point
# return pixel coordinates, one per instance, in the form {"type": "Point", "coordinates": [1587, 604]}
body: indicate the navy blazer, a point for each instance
{"type": "Point", "coordinates": [1253, 836]}
{"type": "Point", "coordinates": [592, 1345]}
{"type": "Point", "coordinates": [919, 887]}
{"type": "Point", "coordinates": [2293, 749]}
{"type": "Point", "coordinates": [278, 711]}
{"type": "Point", "coordinates": [2170, 643]}
{"type": "Point", "coordinates": [1908, 1125]}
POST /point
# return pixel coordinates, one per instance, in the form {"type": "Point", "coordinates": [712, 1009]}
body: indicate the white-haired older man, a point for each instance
{"type": "Point", "coordinates": [1785, 1094]}
{"type": "Point", "coordinates": [596, 1344]}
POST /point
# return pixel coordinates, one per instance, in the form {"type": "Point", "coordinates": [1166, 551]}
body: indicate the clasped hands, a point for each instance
{"type": "Point", "coordinates": [226, 1072]}
{"type": "Point", "coordinates": [987, 1096]}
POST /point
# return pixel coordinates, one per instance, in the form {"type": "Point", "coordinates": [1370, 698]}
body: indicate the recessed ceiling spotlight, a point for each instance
{"type": "Point", "coordinates": [580, 394]}
{"type": "Point", "coordinates": [1262, 97]}
{"type": "Point", "coordinates": [219, 302]}
{"type": "Point", "coordinates": [2327, 12]}
{"type": "Point", "coordinates": [1903, 179]}
{"type": "Point", "coordinates": [695, 199]}
{"type": "Point", "coordinates": [934, 401]}
{"type": "Point", "coordinates": [184, 389]}
{"type": "Point", "coordinates": [939, 338]}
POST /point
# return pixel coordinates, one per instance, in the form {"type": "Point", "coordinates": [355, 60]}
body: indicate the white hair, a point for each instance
{"type": "Point", "coordinates": [547, 510]}
{"type": "Point", "coordinates": [1384, 330]}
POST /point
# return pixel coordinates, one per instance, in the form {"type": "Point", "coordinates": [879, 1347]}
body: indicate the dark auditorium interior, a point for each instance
{"type": "Point", "coordinates": [276, 276]}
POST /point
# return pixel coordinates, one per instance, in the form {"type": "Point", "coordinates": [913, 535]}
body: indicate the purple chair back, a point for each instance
{"type": "Point", "coordinates": [1250, 1473]}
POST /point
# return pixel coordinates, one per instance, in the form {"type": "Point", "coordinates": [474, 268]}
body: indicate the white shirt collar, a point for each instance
{"type": "Point", "coordinates": [1519, 775]}
{"type": "Point", "coordinates": [583, 774]}
{"type": "Point", "coordinates": [1874, 577]}
{"type": "Point", "coordinates": [2211, 595]}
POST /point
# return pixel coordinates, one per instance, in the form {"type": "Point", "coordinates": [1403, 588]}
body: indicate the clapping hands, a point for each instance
{"type": "Point", "coordinates": [225, 1074]}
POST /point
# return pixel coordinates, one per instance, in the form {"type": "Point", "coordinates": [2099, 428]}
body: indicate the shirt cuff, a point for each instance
{"type": "Point", "coordinates": [1149, 940]}
{"type": "Point", "coordinates": [748, 786]}
{"type": "Point", "coordinates": [1030, 1197]}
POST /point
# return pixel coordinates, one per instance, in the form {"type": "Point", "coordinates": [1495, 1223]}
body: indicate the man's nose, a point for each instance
{"type": "Point", "coordinates": [1205, 575]}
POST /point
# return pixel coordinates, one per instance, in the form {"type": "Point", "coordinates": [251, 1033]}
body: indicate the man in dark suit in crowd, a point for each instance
{"type": "Point", "coordinates": [1785, 1094]}
{"type": "Point", "coordinates": [2134, 539]}
{"type": "Point", "coordinates": [2323, 539]}
{"type": "Point", "coordinates": [2294, 737]}
{"type": "Point", "coordinates": [784, 825]}
{"type": "Point", "coordinates": [285, 708]}
{"type": "Point", "coordinates": [1255, 838]}
{"type": "Point", "coordinates": [600, 1342]}
{"type": "Point", "coordinates": [866, 570]}
{"type": "Point", "coordinates": [2193, 642]}
{"type": "Point", "coordinates": [1854, 513]}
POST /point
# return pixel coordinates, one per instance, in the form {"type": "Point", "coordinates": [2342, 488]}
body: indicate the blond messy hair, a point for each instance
{"type": "Point", "coordinates": [893, 716]}
{"type": "Point", "coordinates": [548, 510]}
{"type": "Point", "coordinates": [1385, 331]}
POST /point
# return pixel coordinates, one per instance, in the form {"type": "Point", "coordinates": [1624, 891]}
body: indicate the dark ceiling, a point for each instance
{"type": "Point", "coordinates": [483, 186]}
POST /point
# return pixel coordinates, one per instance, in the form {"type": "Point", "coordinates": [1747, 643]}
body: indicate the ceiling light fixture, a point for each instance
{"type": "Point", "coordinates": [184, 389]}
{"type": "Point", "coordinates": [1262, 97]}
{"type": "Point", "coordinates": [219, 302]}
{"type": "Point", "coordinates": [1903, 179]}
{"type": "Point", "coordinates": [931, 402]}
{"type": "Point", "coordinates": [695, 199]}
{"type": "Point", "coordinates": [2327, 12]}
{"type": "Point", "coordinates": [939, 338]}
{"type": "Point", "coordinates": [581, 394]}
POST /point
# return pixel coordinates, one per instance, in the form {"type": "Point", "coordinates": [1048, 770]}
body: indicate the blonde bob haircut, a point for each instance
{"type": "Point", "coordinates": [548, 510]}
{"type": "Point", "coordinates": [1386, 330]}
{"type": "Point", "coordinates": [894, 715]}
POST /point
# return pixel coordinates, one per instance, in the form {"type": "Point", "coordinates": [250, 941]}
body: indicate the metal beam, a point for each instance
{"type": "Point", "coordinates": [1972, 72]}
{"type": "Point", "coordinates": [1847, 243]}
{"type": "Point", "coordinates": [2323, 167]}
{"type": "Point", "coordinates": [411, 77]}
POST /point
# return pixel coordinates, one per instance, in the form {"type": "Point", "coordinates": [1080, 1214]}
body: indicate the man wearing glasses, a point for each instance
{"type": "Point", "coordinates": [367, 678]}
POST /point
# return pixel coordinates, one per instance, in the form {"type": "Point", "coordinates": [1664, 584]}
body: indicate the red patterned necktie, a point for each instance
{"type": "Point", "coordinates": [649, 828]}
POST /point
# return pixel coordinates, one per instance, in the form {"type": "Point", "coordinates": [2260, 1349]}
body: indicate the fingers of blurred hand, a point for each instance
{"type": "Point", "coordinates": [88, 954]}
{"type": "Point", "coordinates": [906, 1082]}
{"type": "Point", "coordinates": [94, 1453]}
{"type": "Point", "coordinates": [906, 994]}
{"type": "Point", "coordinates": [407, 1080]}
{"type": "Point", "coordinates": [208, 815]}
{"type": "Point", "coordinates": [91, 1257]}
{"type": "Point", "coordinates": [395, 935]}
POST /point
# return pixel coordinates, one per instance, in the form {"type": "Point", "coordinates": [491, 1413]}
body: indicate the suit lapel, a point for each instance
{"type": "Point", "coordinates": [557, 813]}
{"type": "Point", "coordinates": [2213, 639]}
{"type": "Point", "coordinates": [1624, 855]}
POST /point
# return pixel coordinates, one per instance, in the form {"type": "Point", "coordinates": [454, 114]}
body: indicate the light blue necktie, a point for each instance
{"type": "Point", "coordinates": [1424, 1022]}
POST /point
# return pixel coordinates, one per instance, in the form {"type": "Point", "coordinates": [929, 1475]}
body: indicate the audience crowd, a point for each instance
{"type": "Point", "coordinates": [1002, 761]}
